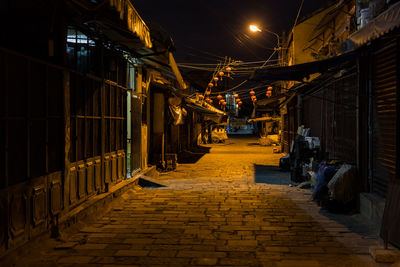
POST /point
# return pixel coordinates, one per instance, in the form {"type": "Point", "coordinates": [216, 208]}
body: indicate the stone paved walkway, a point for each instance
{"type": "Point", "coordinates": [230, 208]}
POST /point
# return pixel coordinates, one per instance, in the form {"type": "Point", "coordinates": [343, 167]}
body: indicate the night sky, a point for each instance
{"type": "Point", "coordinates": [205, 30]}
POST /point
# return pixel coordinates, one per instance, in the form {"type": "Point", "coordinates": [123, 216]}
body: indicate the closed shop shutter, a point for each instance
{"type": "Point", "coordinates": [344, 121]}
{"type": "Point", "coordinates": [330, 113]}
{"type": "Point", "coordinates": [384, 117]}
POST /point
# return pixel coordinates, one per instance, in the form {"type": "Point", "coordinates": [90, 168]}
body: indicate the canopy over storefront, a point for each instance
{"type": "Point", "coordinates": [300, 71]}
{"type": "Point", "coordinates": [268, 101]}
{"type": "Point", "coordinates": [264, 119]}
{"type": "Point", "coordinates": [384, 23]}
{"type": "Point", "coordinates": [209, 112]}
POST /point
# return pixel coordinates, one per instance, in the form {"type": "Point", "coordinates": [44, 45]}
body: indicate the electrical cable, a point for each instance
{"type": "Point", "coordinates": [298, 14]}
{"type": "Point", "coordinates": [204, 52]}
{"type": "Point", "coordinates": [268, 58]}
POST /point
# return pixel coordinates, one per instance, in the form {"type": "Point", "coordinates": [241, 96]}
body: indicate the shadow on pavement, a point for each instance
{"type": "Point", "coordinates": [147, 182]}
{"type": "Point", "coordinates": [270, 175]}
{"type": "Point", "coordinates": [354, 221]}
{"type": "Point", "coordinates": [194, 155]}
{"type": "Point", "coordinates": [253, 144]}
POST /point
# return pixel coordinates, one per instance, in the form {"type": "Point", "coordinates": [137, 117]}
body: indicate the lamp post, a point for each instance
{"type": "Point", "coordinates": [255, 28]}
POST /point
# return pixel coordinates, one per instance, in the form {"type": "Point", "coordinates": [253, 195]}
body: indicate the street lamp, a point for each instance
{"type": "Point", "coordinates": [255, 28]}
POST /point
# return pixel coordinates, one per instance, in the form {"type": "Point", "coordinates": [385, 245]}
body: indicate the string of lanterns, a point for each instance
{"type": "Point", "coordinates": [214, 83]}
{"type": "Point", "coordinates": [219, 74]}
{"type": "Point", "coordinates": [238, 101]}
{"type": "Point", "coordinates": [269, 91]}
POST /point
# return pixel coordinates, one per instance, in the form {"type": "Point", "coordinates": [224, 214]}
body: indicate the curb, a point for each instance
{"type": "Point", "coordinates": [97, 204]}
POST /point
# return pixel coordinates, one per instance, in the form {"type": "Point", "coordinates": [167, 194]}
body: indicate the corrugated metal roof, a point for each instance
{"type": "Point", "coordinates": [382, 24]}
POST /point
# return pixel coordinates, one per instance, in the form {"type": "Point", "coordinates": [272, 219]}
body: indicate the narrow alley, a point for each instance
{"type": "Point", "coordinates": [232, 207]}
{"type": "Point", "coordinates": [195, 133]}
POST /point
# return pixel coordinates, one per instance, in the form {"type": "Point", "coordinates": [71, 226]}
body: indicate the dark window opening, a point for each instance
{"type": "Point", "coordinates": [80, 51]}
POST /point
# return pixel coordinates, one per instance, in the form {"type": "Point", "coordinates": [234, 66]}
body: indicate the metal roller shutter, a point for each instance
{"type": "Point", "coordinates": [384, 86]}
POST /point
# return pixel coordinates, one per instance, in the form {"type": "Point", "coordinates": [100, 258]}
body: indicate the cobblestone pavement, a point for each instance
{"type": "Point", "coordinates": [230, 208]}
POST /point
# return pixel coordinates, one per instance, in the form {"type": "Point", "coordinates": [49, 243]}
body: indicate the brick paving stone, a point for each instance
{"type": "Point", "coordinates": [200, 254]}
{"type": "Point", "coordinates": [131, 253]}
{"type": "Point", "coordinates": [117, 265]}
{"type": "Point", "coordinates": [205, 261]}
{"type": "Point", "coordinates": [242, 243]}
{"type": "Point", "coordinates": [91, 246]}
{"type": "Point", "coordinates": [212, 212]}
{"type": "Point", "coordinates": [76, 259]}
{"type": "Point", "coordinates": [295, 263]}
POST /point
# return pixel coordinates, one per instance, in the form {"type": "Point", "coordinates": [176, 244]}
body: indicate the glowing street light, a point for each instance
{"type": "Point", "coordinates": [254, 28]}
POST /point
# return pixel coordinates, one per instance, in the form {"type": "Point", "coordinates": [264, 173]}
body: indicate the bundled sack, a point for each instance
{"type": "Point", "coordinates": [324, 175]}
{"type": "Point", "coordinates": [342, 187]}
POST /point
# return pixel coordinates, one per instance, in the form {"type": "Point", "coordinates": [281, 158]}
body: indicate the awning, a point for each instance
{"type": "Point", "coordinates": [119, 21]}
{"type": "Point", "coordinates": [134, 22]}
{"type": "Point", "coordinates": [209, 112]}
{"type": "Point", "coordinates": [204, 107]}
{"type": "Point", "coordinates": [384, 23]}
{"type": "Point", "coordinates": [167, 87]}
{"type": "Point", "coordinates": [268, 101]}
{"type": "Point", "coordinates": [264, 119]}
{"type": "Point", "coordinates": [300, 71]}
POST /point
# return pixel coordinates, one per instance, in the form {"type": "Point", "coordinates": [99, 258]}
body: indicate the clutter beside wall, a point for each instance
{"type": "Point", "coordinates": [333, 182]}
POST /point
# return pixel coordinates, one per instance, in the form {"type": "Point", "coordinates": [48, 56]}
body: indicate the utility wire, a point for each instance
{"type": "Point", "coordinates": [298, 14]}
{"type": "Point", "coordinates": [233, 63]}
{"type": "Point", "coordinates": [204, 52]}
{"type": "Point", "coordinates": [268, 58]}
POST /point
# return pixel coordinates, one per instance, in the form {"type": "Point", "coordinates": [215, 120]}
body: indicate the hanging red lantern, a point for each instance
{"type": "Point", "coordinates": [254, 100]}
{"type": "Point", "coordinates": [221, 73]}
{"type": "Point", "coordinates": [252, 97]}
{"type": "Point", "coordinates": [207, 99]}
{"type": "Point", "coordinates": [240, 102]}
{"type": "Point", "coordinates": [269, 88]}
{"type": "Point", "coordinates": [201, 97]}
{"type": "Point", "coordinates": [210, 85]}
{"type": "Point", "coordinates": [216, 80]}
{"type": "Point", "coordinates": [236, 95]}
{"type": "Point", "coordinates": [208, 92]}
{"type": "Point", "coordinates": [224, 103]}
{"type": "Point", "coordinates": [219, 97]}
{"type": "Point", "coordinates": [228, 69]}
{"type": "Point", "coordinates": [269, 93]}
{"type": "Point", "coordinates": [252, 92]}
{"type": "Point", "coordinates": [237, 100]}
